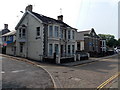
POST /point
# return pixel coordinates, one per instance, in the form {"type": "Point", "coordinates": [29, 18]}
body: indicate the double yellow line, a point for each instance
{"type": "Point", "coordinates": [108, 81]}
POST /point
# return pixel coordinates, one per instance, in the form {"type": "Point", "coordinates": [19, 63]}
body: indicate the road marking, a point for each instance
{"type": "Point", "coordinates": [16, 71]}
{"type": "Point", "coordinates": [108, 81]}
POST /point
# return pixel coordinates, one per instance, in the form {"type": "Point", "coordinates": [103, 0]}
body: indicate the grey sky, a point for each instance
{"type": "Point", "coordinates": [81, 14]}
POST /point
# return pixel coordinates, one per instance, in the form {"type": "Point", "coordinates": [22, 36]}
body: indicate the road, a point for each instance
{"type": "Point", "coordinates": [84, 76]}
{"type": "Point", "coordinates": [19, 74]}
{"type": "Point", "coordinates": [89, 75]}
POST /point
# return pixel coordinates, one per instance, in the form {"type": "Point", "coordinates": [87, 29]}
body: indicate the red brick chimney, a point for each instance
{"type": "Point", "coordinates": [29, 8]}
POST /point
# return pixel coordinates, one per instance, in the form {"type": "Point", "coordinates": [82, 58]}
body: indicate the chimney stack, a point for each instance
{"type": "Point", "coordinates": [5, 26]}
{"type": "Point", "coordinates": [29, 8]}
{"type": "Point", "coordinates": [60, 18]}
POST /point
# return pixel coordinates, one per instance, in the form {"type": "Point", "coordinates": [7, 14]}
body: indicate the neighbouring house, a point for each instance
{"type": "Point", "coordinates": [9, 41]}
{"type": "Point", "coordinates": [3, 31]}
{"type": "Point", "coordinates": [88, 41]}
{"type": "Point", "coordinates": [39, 37]}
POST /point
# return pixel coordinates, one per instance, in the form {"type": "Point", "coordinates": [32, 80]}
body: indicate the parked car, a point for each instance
{"type": "Point", "coordinates": [117, 49]}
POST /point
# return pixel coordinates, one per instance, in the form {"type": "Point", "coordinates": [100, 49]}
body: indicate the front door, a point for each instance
{"type": "Point", "coordinates": [62, 50]}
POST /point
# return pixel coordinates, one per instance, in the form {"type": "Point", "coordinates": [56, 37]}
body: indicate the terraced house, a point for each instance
{"type": "Point", "coordinates": [39, 37]}
{"type": "Point", "coordinates": [89, 41]}
{"type": "Point", "coordinates": [9, 41]}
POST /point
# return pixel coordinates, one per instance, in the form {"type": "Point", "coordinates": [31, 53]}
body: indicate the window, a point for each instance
{"type": "Point", "coordinates": [4, 38]}
{"type": "Point", "coordinates": [78, 45]}
{"type": "Point", "coordinates": [68, 49]}
{"type": "Point", "coordinates": [73, 47]}
{"type": "Point", "coordinates": [61, 33]}
{"type": "Point", "coordinates": [20, 31]}
{"type": "Point", "coordinates": [9, 38]}
{"type": "Point", "coordinates": [38, 31]}
{"type": "Point", "coordinates": [56, 49]}
{"type": "Point", "coordinates": [23, 33]}
{"type": "Point", "coordinates": [56, 31]}
{"type": "Point", "coordinates": [50, 50]}
{"type": "Point", "coordinates": [68, 34]}
{"type": "Point", "coordinates": [51, 31]}
{"type": "Point", "coordinates": [21, 47]}
{"type": "Point", "coordinates": [73, 35]}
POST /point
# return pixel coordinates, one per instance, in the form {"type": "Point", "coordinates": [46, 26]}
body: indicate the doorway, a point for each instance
{"type": "Point", "coordinates": [62, 50]}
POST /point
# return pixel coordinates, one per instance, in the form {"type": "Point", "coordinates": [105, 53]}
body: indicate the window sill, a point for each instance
{"type": "Point", "coordinates": [38, 37]}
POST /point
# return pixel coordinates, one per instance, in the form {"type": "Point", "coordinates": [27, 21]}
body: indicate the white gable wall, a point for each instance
{"type": "Point", "coordinates": [35, 46]}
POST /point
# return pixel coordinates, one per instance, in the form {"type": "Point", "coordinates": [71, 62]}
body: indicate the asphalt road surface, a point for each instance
{"type": "Point", "coordinates": [84, 76]}
{"type": "Point", "coordinates": [19, 74]}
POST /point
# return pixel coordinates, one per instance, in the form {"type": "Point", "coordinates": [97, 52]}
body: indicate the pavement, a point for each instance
{"type": "Point", "coordinates": [18, 74]}
{"type": "Point", "coordinates": [90, 60]}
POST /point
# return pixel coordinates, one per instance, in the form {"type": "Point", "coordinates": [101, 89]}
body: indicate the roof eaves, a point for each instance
{"type": "Point", "coordinates": [10, 33]}
{"type": "Point", "coordinates": [20, 20]}
{"type": "Point", "coordinates": [35, 17]}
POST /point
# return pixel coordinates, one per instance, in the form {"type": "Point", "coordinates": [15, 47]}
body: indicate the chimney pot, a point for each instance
{"type": "Point", "coordinates": [29, 8]}
{"type": "Point", "coordinates": [5, 26]}
{"type": "Point", "coordinates": [60, 18]}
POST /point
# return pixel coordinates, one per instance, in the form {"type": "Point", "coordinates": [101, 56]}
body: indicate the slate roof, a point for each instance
{"type": "Point", "coordinates": [10, 33]}
{"type": "Point", "coordinates": [87, 31]}
{"type": "Point", "coordinates": [80, 34]}
{"type": "Point", "coordinates": [4, 31]}
{"type": "Point", "coordinates": [47, 20]}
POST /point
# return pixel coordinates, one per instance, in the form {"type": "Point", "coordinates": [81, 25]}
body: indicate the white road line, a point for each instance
{"type": "Point", "coordinates": [16, 71]}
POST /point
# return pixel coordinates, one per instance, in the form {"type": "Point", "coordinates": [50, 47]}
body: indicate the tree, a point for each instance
{"type": "Point", "coordinates": [110, 40]}
{"type": "Point", "coordinates": [119, 42]}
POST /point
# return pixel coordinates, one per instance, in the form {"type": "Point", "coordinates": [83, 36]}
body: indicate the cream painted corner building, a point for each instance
{"type": "Point", "coordinates": [39, 36]}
